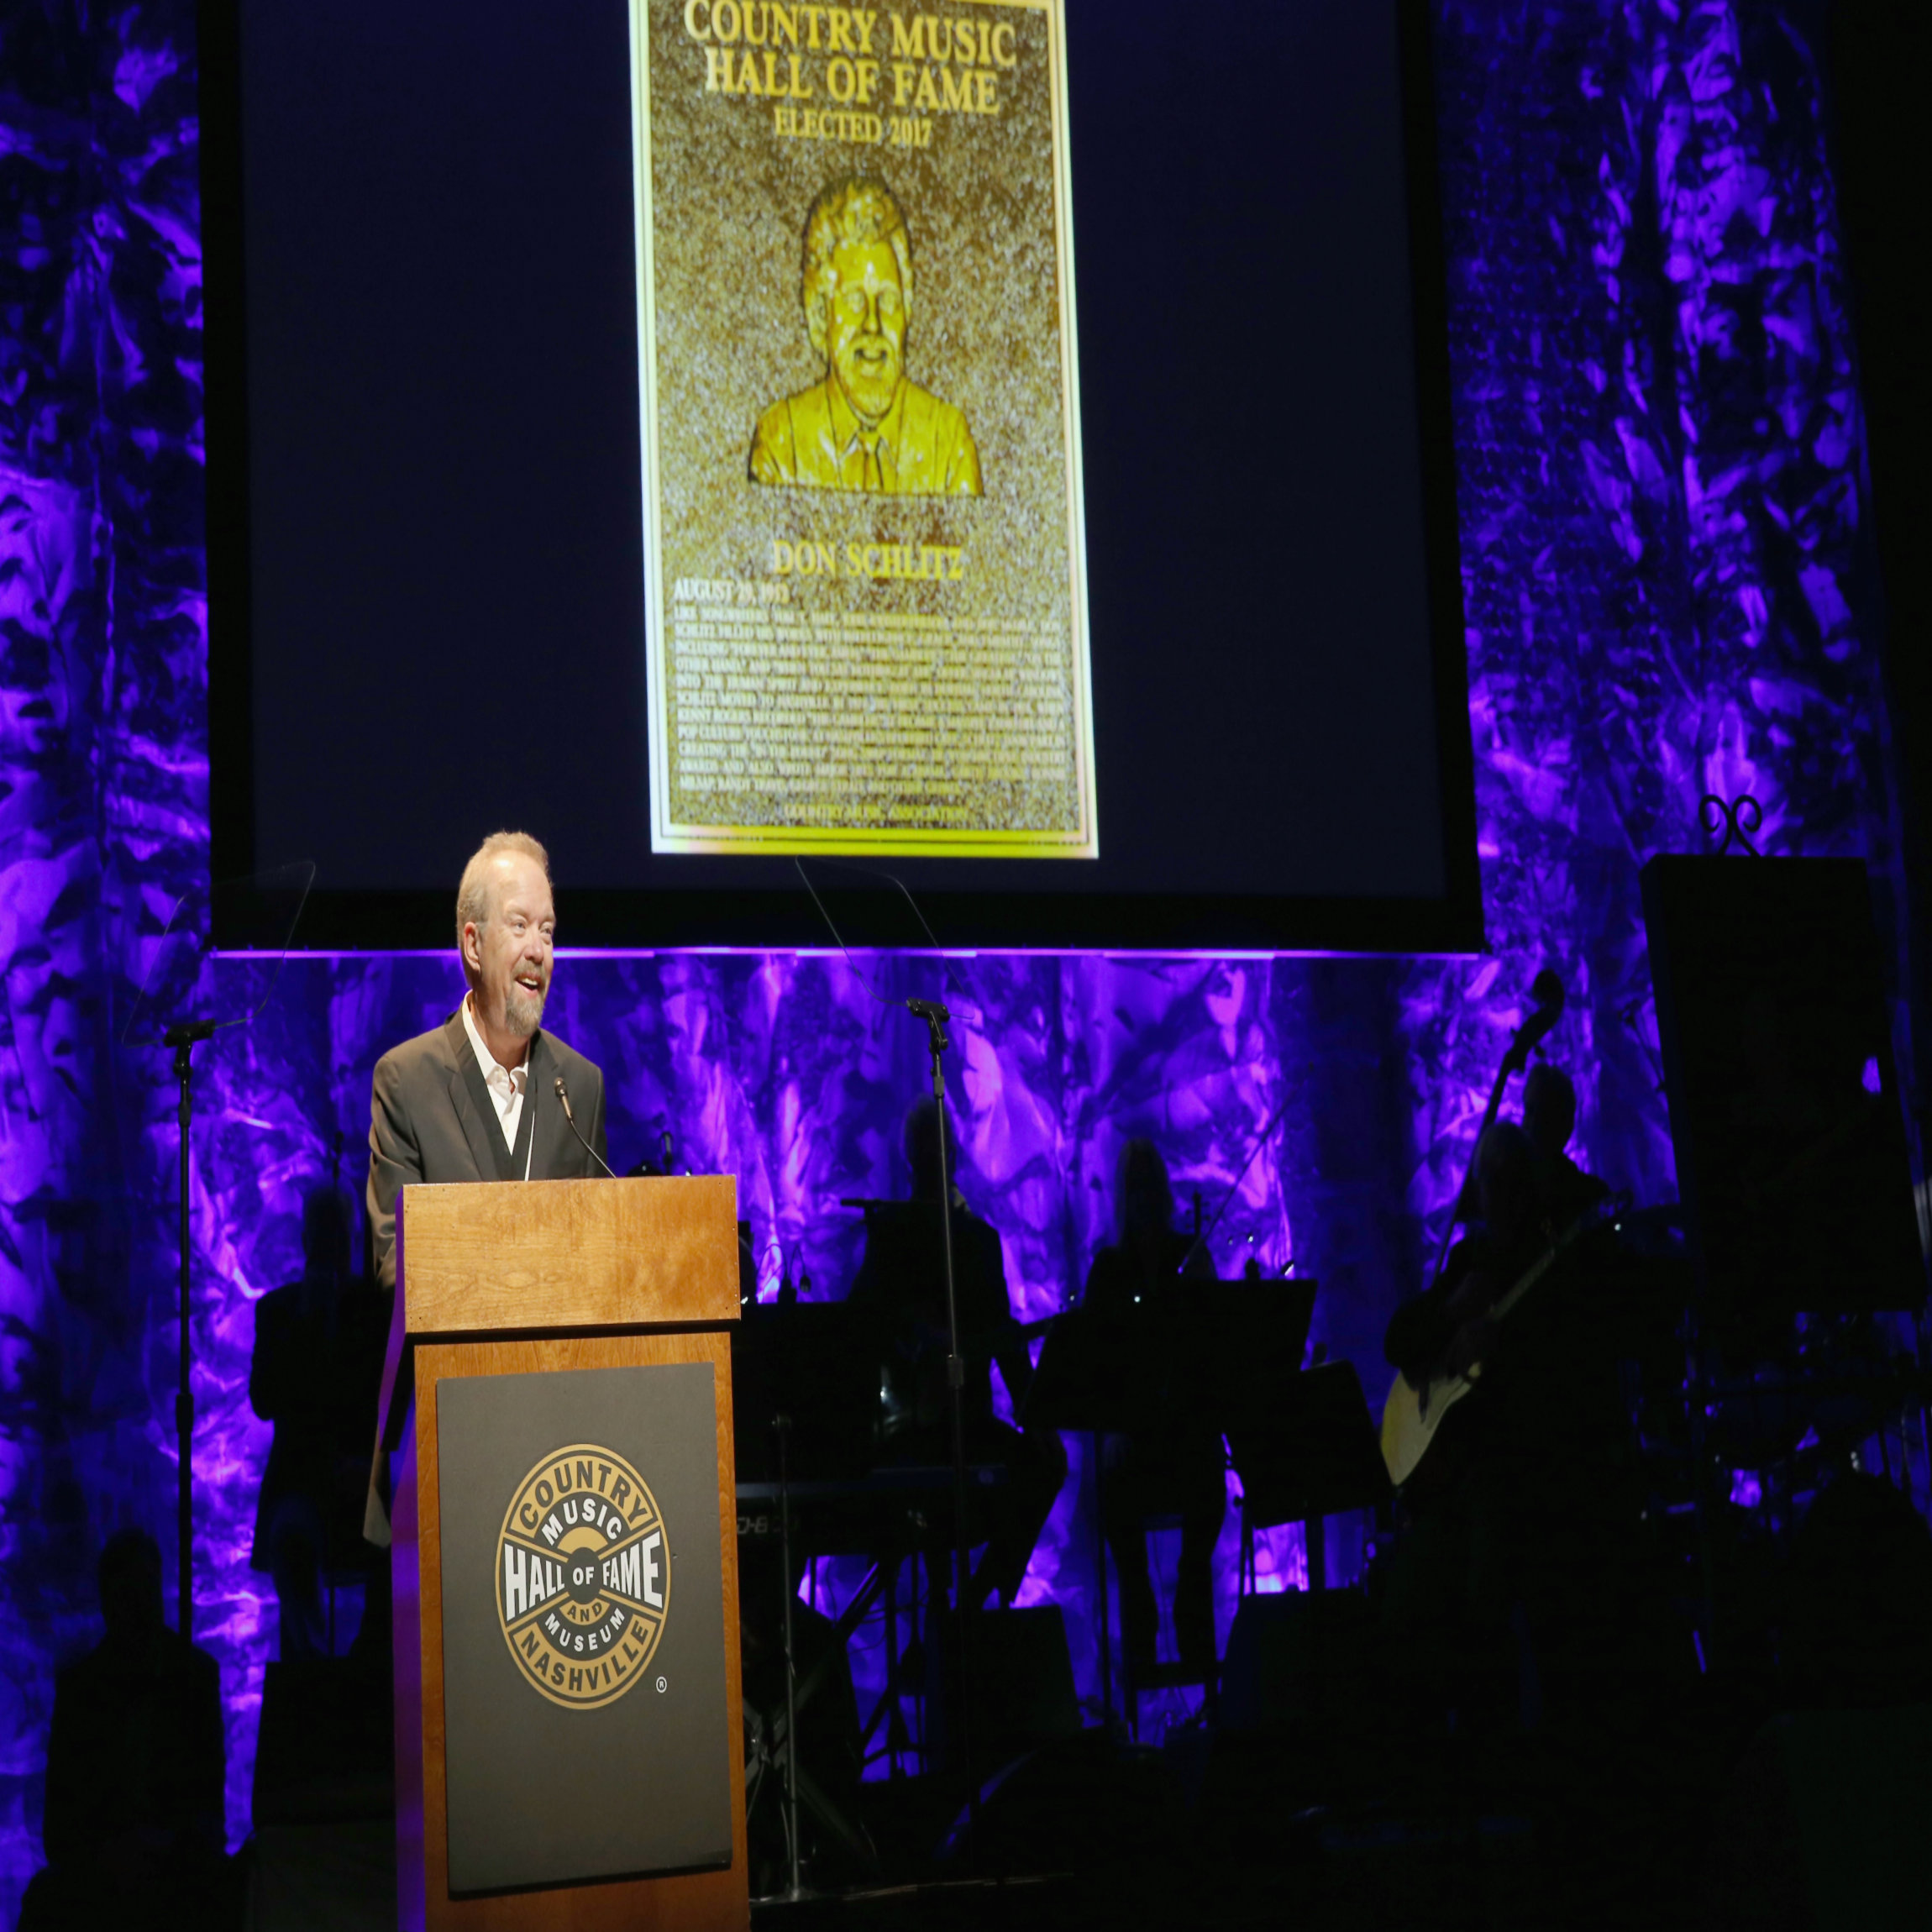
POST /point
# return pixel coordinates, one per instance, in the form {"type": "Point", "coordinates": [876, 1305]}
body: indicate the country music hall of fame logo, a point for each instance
{"type": "Point", "coordinates": [583, 1577]}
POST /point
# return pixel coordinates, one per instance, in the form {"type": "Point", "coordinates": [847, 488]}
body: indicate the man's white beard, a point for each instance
{"type": "Point", "coordinates": [522, 1012]}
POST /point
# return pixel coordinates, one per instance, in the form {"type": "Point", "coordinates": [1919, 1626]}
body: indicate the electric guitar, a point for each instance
{"type": "Point", "coordinates": [1411, 1416]}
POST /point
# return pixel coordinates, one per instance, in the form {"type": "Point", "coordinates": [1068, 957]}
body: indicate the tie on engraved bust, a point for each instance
{"type": "Point", "coordinates": [875, 480]}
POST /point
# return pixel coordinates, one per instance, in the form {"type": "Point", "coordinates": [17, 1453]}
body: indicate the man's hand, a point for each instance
{"type": "Point", "coordinates": [1470, 1348]}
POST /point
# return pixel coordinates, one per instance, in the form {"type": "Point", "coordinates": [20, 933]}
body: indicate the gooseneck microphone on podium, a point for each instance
{"type": "Point", "coordinates": [564, 1094]}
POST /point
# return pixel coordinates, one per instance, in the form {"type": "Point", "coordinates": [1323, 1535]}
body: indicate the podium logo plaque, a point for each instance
{"type": "Point", "coordinates": [595, 1492]}
{"type": "Point", "coordinates": [583, 1577]}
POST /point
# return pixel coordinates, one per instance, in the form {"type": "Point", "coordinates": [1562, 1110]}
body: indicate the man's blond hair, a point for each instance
{"type": "Point", "coordinates": [852, 210]}
{"type": "Point", "coordinates": [473, 906]}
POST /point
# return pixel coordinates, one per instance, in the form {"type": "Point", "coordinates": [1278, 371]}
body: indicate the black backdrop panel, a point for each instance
{"type": "Point", "coordinates": [1783, 1095]}
{"type": "Point", "coordinates": [425, 509]}
{"type": "Point", "coordinates": [548, 1788]}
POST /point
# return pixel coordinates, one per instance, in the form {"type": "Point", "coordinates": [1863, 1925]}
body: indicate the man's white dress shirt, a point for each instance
{"type": "Point", "coordinates": [506, 1084]}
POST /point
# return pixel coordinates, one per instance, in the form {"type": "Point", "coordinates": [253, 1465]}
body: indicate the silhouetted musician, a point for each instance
{"type": "Point", "coordinates": [134, 1763]}
{"type": "Point", "coordinates": [1522, 1509]}
{"type": "Point", "coordinates": [1549, 1119]}
{"type": "Point", "coordinates": [1446, 1327]}
{"type": "Point", "coordinates": [902, 1286]}
{"type": "Point", "coordinates": [317, 1366]}
{"type": "Point", "coordinates": [1165, 1466]}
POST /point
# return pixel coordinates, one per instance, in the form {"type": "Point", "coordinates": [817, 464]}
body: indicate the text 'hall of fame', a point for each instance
{"type": "Point", "coordinates": [583, 1576]}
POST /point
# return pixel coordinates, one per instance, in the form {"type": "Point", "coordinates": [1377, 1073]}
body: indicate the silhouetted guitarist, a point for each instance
{"type": "Point", "coordinates": [1519, 1507]}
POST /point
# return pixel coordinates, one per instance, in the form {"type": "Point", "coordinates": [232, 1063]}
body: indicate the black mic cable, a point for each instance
{"type": "Point", "coordinates": [564, 1094]}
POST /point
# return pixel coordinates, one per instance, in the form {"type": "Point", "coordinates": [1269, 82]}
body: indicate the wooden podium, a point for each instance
{"type": "Point", "coordinates": [577, 1509]}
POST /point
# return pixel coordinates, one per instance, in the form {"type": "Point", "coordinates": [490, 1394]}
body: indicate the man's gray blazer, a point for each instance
{"type": "Point", "coordinates": [431, 1119]}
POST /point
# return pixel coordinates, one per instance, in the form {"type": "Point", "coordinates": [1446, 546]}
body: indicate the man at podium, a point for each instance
{"type": "Point", "coordinates": [483, 1097]}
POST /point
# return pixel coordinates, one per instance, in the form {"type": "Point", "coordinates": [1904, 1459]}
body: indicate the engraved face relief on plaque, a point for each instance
{"type": "Point", "coordinates": [583, 1577]}
{"type": "Point", "coordinates": [866, 425]}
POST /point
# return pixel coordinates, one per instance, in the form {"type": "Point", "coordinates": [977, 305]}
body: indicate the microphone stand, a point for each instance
{"type": "Point", "coordinates": [935, 1015]}
{"type": "Point", "coordinates": [570, 1122]}
{"type": "Point", "coordinates": [248, 902]}
{"type": "Point", "coordinates": [781, 1423]}
{"type": "Point", "coordinates": [184, 1037]}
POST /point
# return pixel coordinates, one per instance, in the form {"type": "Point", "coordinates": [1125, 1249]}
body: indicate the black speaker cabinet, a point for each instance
{"type": "Point", "coordinates": [1784, 1103]}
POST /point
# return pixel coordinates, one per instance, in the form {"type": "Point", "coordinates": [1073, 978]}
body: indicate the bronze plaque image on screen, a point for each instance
{"type": "Point", "coordinates": [583, 1654]}
{"type": "Point", "coordinates": [865, 545]}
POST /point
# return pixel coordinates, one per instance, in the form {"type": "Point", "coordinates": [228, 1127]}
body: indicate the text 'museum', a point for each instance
{"type": "Point", "coordinates": [863, 549]}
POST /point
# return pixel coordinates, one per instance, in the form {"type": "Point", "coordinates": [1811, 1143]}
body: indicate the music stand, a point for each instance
{"type": "Point", "coordinates": [1210, 1354]}
{"type": "Point", "coordinates": [1313, 1454]}
{"type": "Point", "coordinates": [806, 1361]}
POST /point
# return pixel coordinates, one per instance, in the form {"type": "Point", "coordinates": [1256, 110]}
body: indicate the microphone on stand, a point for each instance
{"type": "Point", "coordinates": [935, 1016]}
{"type": "Point", "coordinates": [564, 1094]}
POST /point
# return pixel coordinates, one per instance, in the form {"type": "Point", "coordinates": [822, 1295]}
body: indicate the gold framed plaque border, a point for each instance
{"type": "Point", "coordinates": [784, 841]}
